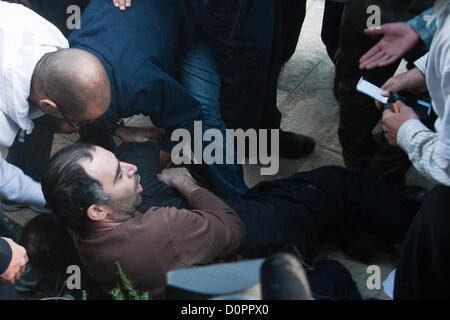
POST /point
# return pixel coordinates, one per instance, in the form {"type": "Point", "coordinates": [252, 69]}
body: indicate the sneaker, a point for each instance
{"type": "Point", "coordinates": [294, 145]}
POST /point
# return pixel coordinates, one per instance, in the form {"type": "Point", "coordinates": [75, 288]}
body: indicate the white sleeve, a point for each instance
{"type": "Point", "coordinates": [421, 63]}
{"type": "Point", "coordinates": [18, 187]}
{"type": "Point", "coordinates": [421, 145]}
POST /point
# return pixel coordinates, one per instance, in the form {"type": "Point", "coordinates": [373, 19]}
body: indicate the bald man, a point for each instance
{"type": "Point", "coordinates": [28, 50]}
{"type": "Point", "coordinates": [158, 66]}
{"type": "Point", "coordinates": [38, 82]}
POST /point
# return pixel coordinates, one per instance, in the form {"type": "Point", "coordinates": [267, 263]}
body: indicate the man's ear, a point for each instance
{"type": "Point", "coordinates": [96, 212]}
{"type": "Point", "coordinates": [48, 106]}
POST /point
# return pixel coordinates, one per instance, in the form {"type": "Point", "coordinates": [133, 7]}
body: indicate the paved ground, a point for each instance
{"type": "Point", "coordinates": [306, 100]}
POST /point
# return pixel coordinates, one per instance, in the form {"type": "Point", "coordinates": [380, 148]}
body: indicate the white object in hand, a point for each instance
{"type": "Point", "coordinates": [371, 90]}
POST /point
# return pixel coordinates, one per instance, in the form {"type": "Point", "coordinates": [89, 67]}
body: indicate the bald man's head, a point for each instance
{"type": "Point", "coordinates": [74, 81]}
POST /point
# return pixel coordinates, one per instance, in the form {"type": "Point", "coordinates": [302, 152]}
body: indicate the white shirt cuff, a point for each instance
{"type": "Point", "coordinates": [406, 133]}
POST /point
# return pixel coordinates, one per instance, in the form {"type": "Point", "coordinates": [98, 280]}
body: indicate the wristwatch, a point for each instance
{"type": "Point", "coordinates": [115, 125]}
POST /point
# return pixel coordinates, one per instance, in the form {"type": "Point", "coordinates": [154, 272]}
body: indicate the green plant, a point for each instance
{"type": "Point", "coordinates": [125, 288]}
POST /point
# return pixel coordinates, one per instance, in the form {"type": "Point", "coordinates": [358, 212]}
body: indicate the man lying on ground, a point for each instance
{"type": "Point", "coordinates": [96, 197]}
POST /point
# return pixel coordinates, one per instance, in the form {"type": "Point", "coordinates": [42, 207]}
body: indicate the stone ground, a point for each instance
{"type": "Point", "coordinates": [305, 98]}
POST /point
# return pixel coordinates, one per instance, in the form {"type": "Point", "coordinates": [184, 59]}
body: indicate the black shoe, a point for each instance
{"type": "Point", "coordinates": [294, 145]}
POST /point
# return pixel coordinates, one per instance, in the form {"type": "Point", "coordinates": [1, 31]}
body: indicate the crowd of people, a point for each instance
{"type": "Point", "coordinates": [217, 62]}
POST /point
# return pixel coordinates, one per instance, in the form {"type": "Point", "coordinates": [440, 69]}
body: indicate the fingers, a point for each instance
{"type": "Point", "coordinates": [388, 61]}
{"type": "Point", "coordinates": [379, 105]}
{"type": "Point", "coordinates": [391, 135]}
{"type": "Point", "coordinates": [402, 105]}
{"type": "Point", "coordinates": [375, 31]}
{"type": "Point", "coordinates": [122, 4]}
{"type": "Point", "coordinates": [369, 54]}
{"type": "Point", "coordinates": [373, 61]}
{"type": "Point", "coordinates": [395, 84]}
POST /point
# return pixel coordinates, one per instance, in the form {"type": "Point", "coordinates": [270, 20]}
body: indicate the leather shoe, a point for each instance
{"type": "Point", "coordinates": [294, 145]}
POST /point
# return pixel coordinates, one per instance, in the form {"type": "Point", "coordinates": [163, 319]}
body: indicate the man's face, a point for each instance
{"type": "Point", "coordinates": [119, 180]}
{"type": "Point", "coordinates": [59, 123]}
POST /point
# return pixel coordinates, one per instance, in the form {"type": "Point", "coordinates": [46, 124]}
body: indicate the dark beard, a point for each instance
{"type": "Point", "coordinates": [125, 208]}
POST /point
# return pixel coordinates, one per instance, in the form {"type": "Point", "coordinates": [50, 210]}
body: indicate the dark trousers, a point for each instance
{"type": "Point", "coordinates": [423, 270]}
{"type": "Point", "coordinates": [331, 24]}
{"type": "Point", "coordinates": [330, 280]}
{"type": "Point", "coordinates": [250, 42]}
{"type": "Point", "coordinates": [335, 205]}
{"type": "Point", "coordinates": [358, 114]}
{"type": "Point", "coordinates": [33, 153]}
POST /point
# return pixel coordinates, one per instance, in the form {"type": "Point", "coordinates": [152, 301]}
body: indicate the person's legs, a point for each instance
{"type": "Point", "coordinates": [240, 34]}
{"type": "Point", "coordinates": [38, 144]}
{"type": "Point", "coordinates": [339, 205]}
{"type": "Point", "coordinates": [330, 280]}
{"type": "Point", "coordinates": [330, 27]}
{"type": "Point", "coordinates": [358, 114]}
{"type": "Point", "coordinates": [424, 264]}
{"type": "Point", "coordinates": [199, 76]}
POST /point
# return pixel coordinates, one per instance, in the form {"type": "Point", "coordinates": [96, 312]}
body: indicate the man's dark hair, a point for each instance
{"type": "Point", "coordinates": [68, 189]}
{"type": "Point", "coordinates": [49, 246]}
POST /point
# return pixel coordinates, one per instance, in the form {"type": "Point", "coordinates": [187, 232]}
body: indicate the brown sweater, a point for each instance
{"type": "Point", "coordinates": [163, 239]}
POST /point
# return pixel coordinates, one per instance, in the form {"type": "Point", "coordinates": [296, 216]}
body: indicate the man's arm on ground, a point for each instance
{"type": "Point", "coordinates": [210, 231]}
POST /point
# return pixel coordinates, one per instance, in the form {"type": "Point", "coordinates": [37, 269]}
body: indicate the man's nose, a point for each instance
{"type": "Point", "coordinates": [131, 169]}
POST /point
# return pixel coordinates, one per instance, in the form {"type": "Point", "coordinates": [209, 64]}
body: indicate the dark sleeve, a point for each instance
{"type": "Point", "coordinates": [169, 105]}
{"type": "Point", "coordinates": [5, 255]}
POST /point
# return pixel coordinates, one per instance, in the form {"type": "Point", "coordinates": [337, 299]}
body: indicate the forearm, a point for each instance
{"type": "Point", "coordinates": [420, 144]}
{"type": "Point", "coordinates": [16, 186]}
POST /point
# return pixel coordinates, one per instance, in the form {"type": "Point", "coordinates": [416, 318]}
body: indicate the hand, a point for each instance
{"type": "Point", "coordinates": [412, 81]}
{"type": "Point", "coordinates": [180, 179]}
{"type": "Point", "coordinates": [399, 38]}
{"type": "Point", "coordinates": [393, 121]}
{"type": "Point", "coordinates": [17, 265]}
{"type": "Point", "coordinates": [131, 134]}
{"type": "Point", "coordinates": [122, 4]}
